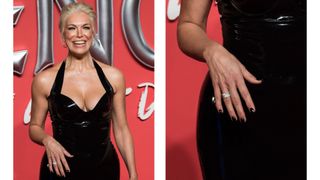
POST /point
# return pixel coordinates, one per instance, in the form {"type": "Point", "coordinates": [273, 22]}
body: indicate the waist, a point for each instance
{"type": "Point", "coordinates": [82, 136]}
{"type": "Point", "coordinates": [85, 158]}
{"type": "Point", "coordinates": [263, 28]}
{"type": "Point", "coordinates": [87, 151]}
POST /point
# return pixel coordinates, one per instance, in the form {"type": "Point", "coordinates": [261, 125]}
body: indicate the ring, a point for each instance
{"type": "Point", "coordinates": [54, 163]}
{"type": "Point", "coordinates": [226, 95]}
{"type": "Point", "coordinates": [213, 100]}
{"type": "Point", "coordinates": [48, 165]}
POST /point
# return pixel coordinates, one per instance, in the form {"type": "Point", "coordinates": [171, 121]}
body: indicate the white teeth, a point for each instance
{"type": "Point", "coordinates": [79, 42]}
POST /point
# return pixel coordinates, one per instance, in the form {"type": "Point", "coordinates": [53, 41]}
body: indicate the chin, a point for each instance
{"type": "Point", "coordinates": [79, 54]}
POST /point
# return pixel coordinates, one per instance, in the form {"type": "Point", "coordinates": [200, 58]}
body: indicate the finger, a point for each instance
{"type": "Point", "coordinates": [65, 152]}
{"type": "Point", "coordinates": [65, 164]}
{"type": "Point", "coordinates": [60, 167]}
{"type": "Point", "coordinates": [55, 166]}
{"type": "Point", "coordinates": [248, 76]}
{"type": "Point", "coordinates": [49, 163]}
{"type": "Point", "coordinates": [245, 94]}
{"type": "Point", "coordinates": [217, 96]}
{"type": "Point", "coordinates": [228, 103]}
{"type": "Point", "coordinates": [234, 96]}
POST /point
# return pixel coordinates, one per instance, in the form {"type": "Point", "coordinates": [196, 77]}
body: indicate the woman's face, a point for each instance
{"type": "Point", "coordinates": [78, 33]}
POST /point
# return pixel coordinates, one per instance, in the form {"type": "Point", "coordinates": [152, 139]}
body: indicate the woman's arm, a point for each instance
{"type": "Point", "coordinates": [192, 37]}
{"type": "Point", "coordinates": [228, 75]}
{"type": "Point", "coordinates": [55, 152]}
{"type": "Point", "coordinates": [120, 127]}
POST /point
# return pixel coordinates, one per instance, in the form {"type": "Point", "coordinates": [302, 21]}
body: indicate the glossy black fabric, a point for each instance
{"type": "Point", "coordinates": [272, 144]}
{"type": "Point", "coordinates": [86, 135]}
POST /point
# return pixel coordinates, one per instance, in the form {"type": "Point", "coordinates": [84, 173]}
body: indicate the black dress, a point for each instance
{"type": "Point", "coordinates": [269, 38]}
{"type": "Point", "coordinates": [86, 135]}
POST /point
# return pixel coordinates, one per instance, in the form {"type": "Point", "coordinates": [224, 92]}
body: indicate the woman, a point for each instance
{"type": "Point", "coordinates": [83, 96]}
{"type": "Point", "coordinates": [252, 110]}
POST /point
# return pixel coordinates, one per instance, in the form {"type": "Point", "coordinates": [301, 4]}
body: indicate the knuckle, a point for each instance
{"type": "Point", "coordinates": [227, 100]}
{"type": "Point", "coordinates": [231, 83]}
{"type": "Point", "coordinates": [236, 102]}
{"type": "Point", "coordinates": [222, 81]}
{"type": "Point", "coordinates": [245, 94]}
{"type": "Point", "coordinates": [246, 97]}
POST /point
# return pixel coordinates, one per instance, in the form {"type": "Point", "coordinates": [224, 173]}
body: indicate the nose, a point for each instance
{"type": "Point", "coordinates": [79, 32]}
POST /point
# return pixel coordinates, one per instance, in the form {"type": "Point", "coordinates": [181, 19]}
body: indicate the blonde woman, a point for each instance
{"type": "Point", "coordinates": [84, 97]}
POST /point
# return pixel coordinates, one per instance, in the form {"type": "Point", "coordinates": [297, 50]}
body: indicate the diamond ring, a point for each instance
{"type": "Point", "coordinates": [226, 95]}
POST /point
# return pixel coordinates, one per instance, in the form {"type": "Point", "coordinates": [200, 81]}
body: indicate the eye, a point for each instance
{"type": "Point", "coordinates": [71, 28]}
{"type": "Point", "coordinates": [87, 27]}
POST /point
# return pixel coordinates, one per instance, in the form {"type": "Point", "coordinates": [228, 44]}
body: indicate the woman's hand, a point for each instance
{"type": "Point", "coordinates": [56, 156]}
{"type": "Point", "coordinates": [228, 77]}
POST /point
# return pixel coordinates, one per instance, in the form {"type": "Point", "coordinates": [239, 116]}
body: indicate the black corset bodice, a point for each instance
{"type": "Point", "coordinates": [261, 34]}
{"type": "Point", "coordinates": [254, 9]}
{"type": "Point", "coordinates": [82, 133]}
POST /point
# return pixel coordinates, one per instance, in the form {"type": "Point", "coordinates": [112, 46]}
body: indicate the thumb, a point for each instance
{"type": "Point", "coordinates": [65, 152]}
{"type": "Point", "coordinates": [248, 76]}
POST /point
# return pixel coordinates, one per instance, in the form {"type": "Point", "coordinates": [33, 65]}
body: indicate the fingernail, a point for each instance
{"type": "Point", "coordinates": [220, 111]}
{"type": "Point", "coordinates": [243, 120]}
{"type": "Point", "coordinates": [233, 118]}
{"type": "Point", "coordinates": [252, 110]}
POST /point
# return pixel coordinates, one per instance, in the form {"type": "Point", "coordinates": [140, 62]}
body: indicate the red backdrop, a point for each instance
{"type": "Point", "coordinates": [184, 80]}
{"type": "Point", "coordinates": [27, 155]}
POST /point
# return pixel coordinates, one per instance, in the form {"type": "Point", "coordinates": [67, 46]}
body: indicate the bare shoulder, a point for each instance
{"type": "Point", "coordinates": [43, 81]}
{"type": "Point", "coordinates": [114, 75]}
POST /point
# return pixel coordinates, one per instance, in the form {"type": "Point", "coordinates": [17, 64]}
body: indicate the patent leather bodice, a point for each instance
{"type": "Point", "coordinates": [261, 8]}
{"type": "Point", "coordinates": [256, 30]}
{"type": "Point", "coordinates": [82, 133]}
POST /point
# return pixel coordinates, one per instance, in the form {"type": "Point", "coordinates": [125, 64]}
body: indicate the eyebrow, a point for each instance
{"type": "Point", "coordinates": [79, 24]}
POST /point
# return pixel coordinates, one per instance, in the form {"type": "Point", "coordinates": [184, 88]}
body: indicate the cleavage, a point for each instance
{"type": "Point", "coordinates": [85, 92]}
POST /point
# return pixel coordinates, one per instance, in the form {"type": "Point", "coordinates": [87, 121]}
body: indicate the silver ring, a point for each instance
{"type": "Point", "coordinates": [48, 165]}
{"type": "Point", "coordinates": [213, 100]}
{"type": "Point", "coordinates": [54, 163]}
{"type": "Point", "coordinates": [226, 95]}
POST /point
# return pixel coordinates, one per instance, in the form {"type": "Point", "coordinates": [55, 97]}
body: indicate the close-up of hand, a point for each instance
{"type": "Point", "coordinates": [56, 156]}
{"type": "Point", "coordinates": [228, 77]}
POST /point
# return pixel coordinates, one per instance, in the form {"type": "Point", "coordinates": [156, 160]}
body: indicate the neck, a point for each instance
{"type": "Point", "coordinates": [79, 63]}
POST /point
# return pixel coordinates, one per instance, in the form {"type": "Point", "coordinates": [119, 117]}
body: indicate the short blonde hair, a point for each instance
{"type": "Point", "coordinates": [74, 7]}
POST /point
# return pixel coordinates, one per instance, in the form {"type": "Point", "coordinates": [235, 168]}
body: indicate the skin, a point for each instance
{"type": "Point", "coordinates": [226, 71]}
{"type": "Point", "coordinates": [82, 85]}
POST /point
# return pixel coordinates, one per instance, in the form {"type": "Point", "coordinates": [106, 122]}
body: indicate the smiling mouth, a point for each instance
{"type": "Point", "coordinates": [79, 43]}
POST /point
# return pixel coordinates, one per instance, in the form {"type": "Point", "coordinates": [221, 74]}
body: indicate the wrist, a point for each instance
{"type": "Point", "coordinates": [209, 50]}
{"type": "Point", "coordinates": [46, 140]}
{"type": "Point", "coordinates": [133, 175]}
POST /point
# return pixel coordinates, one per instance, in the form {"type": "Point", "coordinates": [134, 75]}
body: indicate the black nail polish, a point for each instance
{"type": "Point", "coordinates": [243, 120]}
{"type": "Point", "coordinates": [252, 110]}
{"type": "Point", "coordinates": [233, 118]}
{"type": "Point", "coordinates": [220, 111]}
